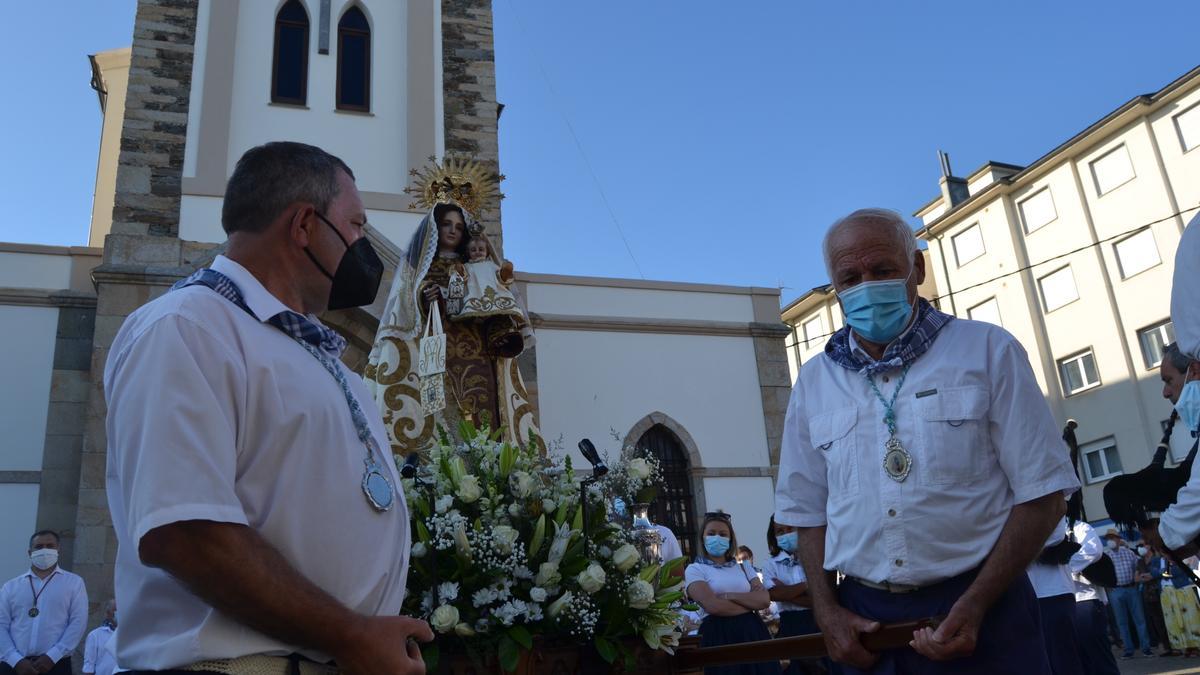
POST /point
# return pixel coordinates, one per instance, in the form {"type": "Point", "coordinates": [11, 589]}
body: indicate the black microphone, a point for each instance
{"type": "Point", "coordinates": [590, 454]}
{"type": "Point", "coordinates": [409, 469]}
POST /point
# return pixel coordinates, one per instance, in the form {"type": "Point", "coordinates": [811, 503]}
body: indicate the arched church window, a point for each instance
{"type": "Point", "coordinates": [354, 61]}
{"type": "Point", "coordinates": [674, 505]}
{"type": "Point", "coordinates": [289, 68]}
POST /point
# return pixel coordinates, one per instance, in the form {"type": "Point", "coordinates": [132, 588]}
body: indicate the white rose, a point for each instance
{"type": "Point", "coordinates": [464, 630]}
{"type": "Point", "coordinates": [641, 594]}
{"type": "Point", "coordinates": [537, 594]}
{"type": "Point", "coordinates": [626, 557]}
{"type": "Point", "coordinates": [557, 606]}
{"type": "Point", "coordinates": [447, 591]}
{"type": "Point", "coordinates": [443, 503]}
{"type": "Point", "coordinates": [521, 484]}
{"type": "Point", "coordinates": [639, 468]}
{"type": "Point", "coordinates": [418, 550]}
{"type": "Point", "coordinates": [514, 510]}
{"type": "Point", "coordinates": [444, 618]}
{"type": "Point", "coordinates": [548, 506]}
{"type": "Point", "coordinates": [504, 537]}
{"type": "Point", "coordinates": [592, 578]}
{"type": "Point", "coordinates": [547, 574]}
{"type": "Point", "coordinates": [468, 489]}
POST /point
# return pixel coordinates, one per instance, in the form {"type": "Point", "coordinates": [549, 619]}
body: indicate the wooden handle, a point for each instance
{"type": "Point", "coordinates": [890, 636]}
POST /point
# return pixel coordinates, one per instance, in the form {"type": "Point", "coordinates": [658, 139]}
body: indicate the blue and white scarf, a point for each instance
{"type": "Point", "coordinates": [903, 351]}
{"type": "Point", "coordinates": [294, 324]}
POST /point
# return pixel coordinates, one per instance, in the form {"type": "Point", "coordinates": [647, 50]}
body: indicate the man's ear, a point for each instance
{"type": "Point", "coordinates": [919, 266]}
{"type": "Point", "coordinates": [1193, 370]}
{"type": "Point", "coordinates": [299, 222]}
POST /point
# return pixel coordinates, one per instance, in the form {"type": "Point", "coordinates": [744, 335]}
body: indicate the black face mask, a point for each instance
{"type": "Point", "coordinates": [356, 281]}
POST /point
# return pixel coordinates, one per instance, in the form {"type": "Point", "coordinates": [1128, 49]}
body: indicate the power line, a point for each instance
{"type": "Point", "coordinates": [578, 145]}
{"type": "Point", "coordinates": [1051, 259]}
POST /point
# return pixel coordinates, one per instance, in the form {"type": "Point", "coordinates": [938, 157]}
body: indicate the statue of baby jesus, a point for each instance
{"type": "Point", "coordinates": [489, 298]}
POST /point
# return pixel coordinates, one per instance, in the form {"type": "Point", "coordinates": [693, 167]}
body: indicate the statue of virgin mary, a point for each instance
{"type": "Point", "coordinates": [481, 381]}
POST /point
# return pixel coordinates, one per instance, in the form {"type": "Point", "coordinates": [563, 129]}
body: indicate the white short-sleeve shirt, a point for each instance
{"type": "Point", "coordinates": [981, 438]}
{"type": "Point", "coordinates": [1090, 550]}
{"type": "Point", "coordinates": [789, 572]}
{"type": "Point", "coordinates": [215, 415]}
{"type": "Point", "coordinates": [1051, 580]}
{"type": "Point", "coordinates": [728, 578]}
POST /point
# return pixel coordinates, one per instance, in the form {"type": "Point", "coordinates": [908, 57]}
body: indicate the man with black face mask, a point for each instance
{"type": "Point", "coordinates": [260, 518]}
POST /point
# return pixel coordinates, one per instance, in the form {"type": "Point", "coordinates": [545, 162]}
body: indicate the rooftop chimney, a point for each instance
{"type": "Point", "coordinates": [954, 189]}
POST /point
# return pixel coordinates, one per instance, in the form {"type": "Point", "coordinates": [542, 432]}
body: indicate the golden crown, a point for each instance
{"type": "Point", "coordinates": [458, 180]}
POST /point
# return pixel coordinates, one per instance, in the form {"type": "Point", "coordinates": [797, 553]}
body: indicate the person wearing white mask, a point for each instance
{"type": "Point", "coordinates": [919, 459]}
{"type": "Point", "coordinates": [788, 587]}
{"type": "Point", "coordinates": [1179, 525]}
{"type": "Point", "coordinates": [43, 613]}
{"type": "Point", "coordinates": [1126, 600]}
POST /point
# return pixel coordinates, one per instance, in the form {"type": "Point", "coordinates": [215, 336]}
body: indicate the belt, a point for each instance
{"type": "Point", "coordinates": [261, 664]}
{"type": "Point", "coordinates": [887, 586]}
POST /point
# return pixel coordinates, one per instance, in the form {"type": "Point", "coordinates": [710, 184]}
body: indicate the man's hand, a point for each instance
{"type": "Point", "coordinates": [842, 630]}
{"type": "Point", "coordinates": [386, 644]}
{"type": "Point", "coordinates": [955, 637]}
{"type": "Point", "coordinates": [43, 664]}
{"type": "Point", "coordinates": [26, 667]}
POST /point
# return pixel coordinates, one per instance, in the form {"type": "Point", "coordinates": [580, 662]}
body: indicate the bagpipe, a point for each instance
{"type": "Point", "coordinates": [1136, 499]}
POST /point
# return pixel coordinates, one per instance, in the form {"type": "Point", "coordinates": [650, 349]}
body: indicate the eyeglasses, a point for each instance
{"type": "Point", "coordinates": [717, 515]}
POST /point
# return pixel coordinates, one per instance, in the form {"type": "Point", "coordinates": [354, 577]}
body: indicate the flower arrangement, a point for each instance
{"type": "Point", "coordinates": [501, 557]}
{"type": "Point", "coordinates": [634, 478]}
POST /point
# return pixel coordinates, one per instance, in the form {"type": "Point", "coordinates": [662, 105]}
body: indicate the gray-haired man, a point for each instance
{"type": "Point", "coordinates": [257, 513]}
{"type": "Point", "coordinates": [920, 460]}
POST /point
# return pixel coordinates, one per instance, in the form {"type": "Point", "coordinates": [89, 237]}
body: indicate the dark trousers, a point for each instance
{"type": "Point", "coordinates": [1058, 629]}
{"type": "Point", "coordinates": [1095, 649]}
{"type": "Point", "coordinates": [1010, 638]}
{"type": "Point", "coordinates": [801, 622]}
{"type": "Point", "coordinates": [63, 667]}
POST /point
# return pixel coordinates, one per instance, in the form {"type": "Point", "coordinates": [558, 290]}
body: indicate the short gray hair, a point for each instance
{"type": "Point", "coordinates": [884, 218]}
{"type": "Point", "coordinates": [109, 605]}
{"type": "Point", "coordinates": [271, 177]}
{"type": "Point", "coordinates": [1178, 359]}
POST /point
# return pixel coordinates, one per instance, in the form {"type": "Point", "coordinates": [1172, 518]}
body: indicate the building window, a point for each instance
{"type": "Point", "coordinates": [814, 329]}
{"type": "Point", "coordinates": [1187, 124]}
{"type": "Point", "coordinates": [1112, 170]}
{"type": "Point", "coordinates": [1101, 460]}
{"type": "Point", "coordinates": [1078, 373]}
{"type": "Point", "coordinates": [968, 245]}
{"type": "Point", "coordinates": [1058, 289]}
{"type": "Point", "coordinates": [1153, 339]}
{"type": "Point", "coordinates": [289, 67]}
{"type": "Point", "coordinates": [354, 61]}
{"type": "Point", "coordinates": [1037, 210]}
{"type": "Point", "coordinates": [1136, 253]}
{"type": "Point", "coordinates": [673, 506]}
{"type": "Point", "coordinates": [988, 310]}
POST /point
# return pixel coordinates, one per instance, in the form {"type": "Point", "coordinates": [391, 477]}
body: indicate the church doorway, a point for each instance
{"type": "Point", "coordinates": [675, 505]}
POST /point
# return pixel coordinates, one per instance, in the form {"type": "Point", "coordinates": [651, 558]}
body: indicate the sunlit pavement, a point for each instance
{"type": "Point", "coordinates": [1159, 665]}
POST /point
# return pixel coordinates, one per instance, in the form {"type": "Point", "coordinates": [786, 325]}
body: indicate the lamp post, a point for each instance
{"type": "Point", "coordinates": [598, 471]}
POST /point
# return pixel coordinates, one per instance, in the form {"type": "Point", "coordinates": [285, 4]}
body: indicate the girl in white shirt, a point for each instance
{"type": "Point", "coordinates": [788, 588]}
{"type": "Point", "coordinates": [729, 595]}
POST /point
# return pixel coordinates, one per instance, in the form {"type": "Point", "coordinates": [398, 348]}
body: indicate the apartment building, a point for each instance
{"type": "Point", "coordinates": [1073, 254]}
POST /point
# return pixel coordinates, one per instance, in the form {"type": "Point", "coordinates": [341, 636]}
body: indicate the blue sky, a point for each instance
{"type": "Point", "coordinates": [724, 137]}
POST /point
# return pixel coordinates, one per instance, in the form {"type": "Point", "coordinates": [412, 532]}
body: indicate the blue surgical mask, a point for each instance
{"type": "Point", "coordinates": [787, 541]}
{"type": "Point", "coordinates": [715, 544]}
{"type": "Point", "coordinates": [877, 310]}
{"type": "Point", "coordinates": [1188, 405]}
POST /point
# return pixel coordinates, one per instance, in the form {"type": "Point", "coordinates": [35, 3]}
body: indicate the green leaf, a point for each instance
{"type": "Point", "coordinates": [608, 651]}
{"type": "Point", "coordinates": [510, 654]}
{"type": "Point", "coordinates": [539, 537]}
{"type": "Point", "coordinates": [422, 532]}
{"type": "Point", "coordinates": [521, 635]}
{"type": "Point", "coordinates": [577, 524]}
{"type": "Point", "coordinates": [431, 654]}
{"type": "Point", "coordinates": [648, 573]}
{"type": "Point", "coordinates": [669, 597]}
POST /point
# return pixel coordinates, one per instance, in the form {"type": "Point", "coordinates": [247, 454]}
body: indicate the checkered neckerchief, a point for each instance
{"type": "Point", "coordinates": [901, 352]}
{"type": "Point", "coordinates": [292, 323]}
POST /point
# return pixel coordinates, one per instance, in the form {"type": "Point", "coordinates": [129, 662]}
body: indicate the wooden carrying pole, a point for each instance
{"type": "Point", "coordinates": [890, 636]}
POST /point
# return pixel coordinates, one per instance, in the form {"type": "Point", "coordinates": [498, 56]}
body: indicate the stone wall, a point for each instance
{"type": "Point", "coordinates": [66, 412]}
{"type": "Point", "coordinates": [469, 90]}
{"type": "Point", "coordinates": [143, 254]}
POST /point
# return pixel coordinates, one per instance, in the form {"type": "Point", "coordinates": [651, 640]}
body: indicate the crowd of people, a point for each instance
{"type": "Point", "coordinates": [921, 475]}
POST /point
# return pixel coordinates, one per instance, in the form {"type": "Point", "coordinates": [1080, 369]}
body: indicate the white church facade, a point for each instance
{"type": "Point", "coordinates": [696, 372]}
